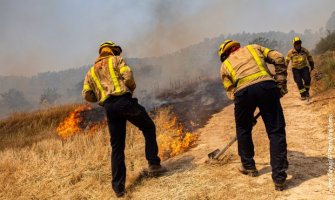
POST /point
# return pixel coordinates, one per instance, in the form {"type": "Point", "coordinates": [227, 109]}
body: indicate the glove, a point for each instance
{"type": "Point", "coordinates": [90, 96]}
{"type": "Point", "coordinates": [312, 65]}
{"type": "Point", "coordinates": [282, 90]}
{"type": "Point", "coordinates": [230, 95]}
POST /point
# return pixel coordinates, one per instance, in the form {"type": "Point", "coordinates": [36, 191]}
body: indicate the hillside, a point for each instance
{"type": "Point", "coordinates": [164, 72]}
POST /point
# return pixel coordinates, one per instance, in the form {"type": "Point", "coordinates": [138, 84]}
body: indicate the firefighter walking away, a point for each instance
{"type": "Point", "coordinates": [248, 82]}
{"type": "Point", "coordinates": [110, 82]}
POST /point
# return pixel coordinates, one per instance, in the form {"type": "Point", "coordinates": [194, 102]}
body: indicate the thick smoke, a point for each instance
{"type": "Point", "coordinates": [168, 43]}
{"type": "Point", "coordinates": [170, 27]}
{"type": "Point", "coordinates": [38, 36]}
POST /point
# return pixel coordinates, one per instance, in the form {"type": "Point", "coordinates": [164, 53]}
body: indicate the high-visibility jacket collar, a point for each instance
{"type": "Point", "coordinates": [101, 57]}
{"type": "Point", "coordinates": [235, 48]}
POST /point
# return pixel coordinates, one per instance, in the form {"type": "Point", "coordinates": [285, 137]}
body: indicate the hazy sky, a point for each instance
{"type": "Point", "coordinates": [51, 35]}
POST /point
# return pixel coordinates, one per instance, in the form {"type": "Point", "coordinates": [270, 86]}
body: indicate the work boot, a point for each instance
{"type": "Point", "coordinates": [303, 96]}
{"type": "Point", "coordinates": [280, 186]}
{"type": "Point", "coordinates": [155, 170]}
{"type": "Point", "coordinates": [119, 194]}
{"type": "Point", "coordinates": [248, 172]}
{"type": "Point", "coordinates": [118, 190]}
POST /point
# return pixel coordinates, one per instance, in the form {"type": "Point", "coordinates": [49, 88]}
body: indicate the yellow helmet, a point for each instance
{"type": "Point", "coordinates": [296, 39]}
{"type": "Point", "coordinates": [109, 44]}
{"type": "Point", "coordinates": [225, 47]}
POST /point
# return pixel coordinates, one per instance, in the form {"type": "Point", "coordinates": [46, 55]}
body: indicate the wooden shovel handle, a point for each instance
{"type": "Point", "coordinates": [231, 142]}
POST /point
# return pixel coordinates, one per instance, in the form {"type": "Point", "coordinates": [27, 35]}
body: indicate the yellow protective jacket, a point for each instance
{"type": "Point", "coordinates": [247, 66]}
{"type": "Point", "coordinates": [110, 76]}
{"type": "Point", "coordinates": [299, 59]}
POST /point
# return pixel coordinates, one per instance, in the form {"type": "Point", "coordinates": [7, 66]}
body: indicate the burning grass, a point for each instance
{"type": "Point", "coordinates": [79, 121]}
{"type": "Point", "coordinates": [24, 129]}
{"type": "Point", "coordinates": [77, 166]}
{"type": "Point", "coordinates": [172, 138]}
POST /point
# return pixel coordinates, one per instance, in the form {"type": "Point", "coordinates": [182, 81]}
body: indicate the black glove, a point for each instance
{"type": "Point", "coordinates": [312, 65]}
{"type": "Point", "coordinates": [282, 89]}
{"type": "Point", "coordinates": [90, 96]}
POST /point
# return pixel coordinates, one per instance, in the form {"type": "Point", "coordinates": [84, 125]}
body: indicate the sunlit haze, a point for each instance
{"type": "Point", "coordinates": [38, 35]}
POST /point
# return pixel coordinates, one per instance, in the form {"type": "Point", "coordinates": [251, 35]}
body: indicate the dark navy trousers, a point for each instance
{"type": "Point", "coordinates": [266, 97]}
{"type": "Point", "coordinates": [119, 110]}
{"type": "Point", "coordinates": [302, 78]}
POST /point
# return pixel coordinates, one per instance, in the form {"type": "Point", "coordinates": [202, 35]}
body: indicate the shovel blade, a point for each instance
{"type": "Point", "coordinates": [213, 154]}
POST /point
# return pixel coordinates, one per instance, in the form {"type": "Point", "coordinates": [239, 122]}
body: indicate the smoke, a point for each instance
{"type": "Point", "coordinates": [38, 36]}
{"type": "Point", "coordinates": [170, 27]}
{"type": "Point", "coordinates": [178, 24]}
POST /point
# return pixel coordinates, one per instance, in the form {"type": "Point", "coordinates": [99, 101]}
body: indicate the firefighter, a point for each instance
{"type": "Point", "coordinates": [298, 57]}
{"type": "Point", "coordinates": [248, 81]}
{"type": "Point", "coordinates": [110, 82]}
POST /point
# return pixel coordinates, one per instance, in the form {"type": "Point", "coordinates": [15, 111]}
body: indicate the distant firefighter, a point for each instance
{"type": "Point", "coordinates": [248, 81]}
{"type": "Point", "coordinates": [298, 57]}
{"type": "Point", "coordinates": [110, 82]}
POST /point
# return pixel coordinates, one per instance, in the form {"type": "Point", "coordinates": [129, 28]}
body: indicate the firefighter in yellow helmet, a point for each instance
{"type": "Point", "coordinates": [110, 82]}
{"type": "Point", "coordinates": [300, 58]}
{"type": "Point", "coordinates": [248, 81]}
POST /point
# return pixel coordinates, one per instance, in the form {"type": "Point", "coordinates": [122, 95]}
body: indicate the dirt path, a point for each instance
{"type": "Point", "coordinates": [191, 178]}
{"type": "Point", "coordinates": [307, 139]}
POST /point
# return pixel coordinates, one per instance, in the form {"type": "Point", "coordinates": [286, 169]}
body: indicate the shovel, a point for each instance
{"type": "Point", "coordinates": [217, 153]}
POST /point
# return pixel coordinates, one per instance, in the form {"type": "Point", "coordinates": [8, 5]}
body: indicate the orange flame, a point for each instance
{"type": "Point", "coordinates": [172, 138]}
{"type": "Point", "coordinates": [71, 125]}
{"type": "Point", "coordinates": [175, 139]}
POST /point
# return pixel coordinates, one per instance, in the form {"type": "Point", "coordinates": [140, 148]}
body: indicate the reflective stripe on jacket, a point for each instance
{"type": "Point", "coordinates": [247, 66]}
{"type": "Point", "coordinates": [110, 76]}
{"type": "Point", "coordinates": [299, 59]}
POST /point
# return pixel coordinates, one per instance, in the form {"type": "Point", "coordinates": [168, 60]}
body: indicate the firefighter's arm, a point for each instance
{"type": "Point", "coordinates": [278, 60]}
{"type": "Point", "coordinates": [310, 59]}
{"type": "Point", "coordinates": [127, 74]}
{"type": "Point", "coordinates": [288, 58]}
{"type": "Point", "coordinates": [227, 83]}
{"type": "Point", "coordinates": [87, 92]}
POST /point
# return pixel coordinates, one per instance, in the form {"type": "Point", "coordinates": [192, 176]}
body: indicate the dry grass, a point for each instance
{"type": "Point", "coordinates": [26, 128]}
{"type": "Point", "coordinates": [215, 180]}
{"type": "Point", "coordinates": [79, 168]}
{"type": "Point", "coordinates": [325, 66]}
{"type": "Point", "coordinates": [36, 164]}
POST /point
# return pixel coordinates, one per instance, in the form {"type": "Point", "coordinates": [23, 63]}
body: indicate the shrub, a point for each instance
{"type": "Point", "coordinates": [326, 44]}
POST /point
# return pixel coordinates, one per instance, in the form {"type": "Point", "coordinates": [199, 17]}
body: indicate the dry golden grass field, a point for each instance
{"type": "Point", "coordinates": [37, 163]}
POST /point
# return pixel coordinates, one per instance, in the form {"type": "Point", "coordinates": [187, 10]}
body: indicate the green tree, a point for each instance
{"type": "Point", "coordinates": [326, 44]}
{"type": "Point", "coordinates": [49, 96]}
{"type": "Point", "coordinates": [14, 100]}
{"type": "Point", "coordinates": [272, 44]}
